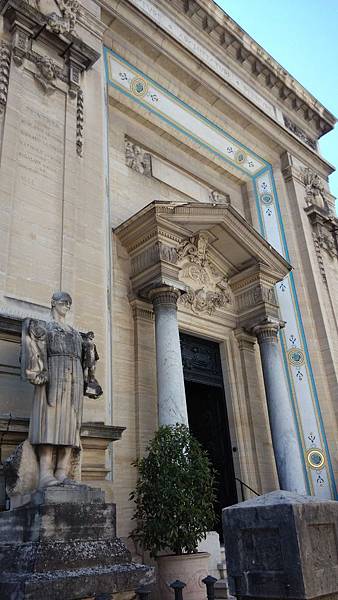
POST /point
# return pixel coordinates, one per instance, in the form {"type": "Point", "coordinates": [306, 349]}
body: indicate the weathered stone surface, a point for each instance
{"type": "Point", "coordinates": [282, 545]}
{"type": "Point", "coordinates": [63, 546]}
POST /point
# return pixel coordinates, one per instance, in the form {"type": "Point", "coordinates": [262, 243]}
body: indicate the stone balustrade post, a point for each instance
{"type": "Point", "coordinates": [172, 407]}
{"type": "Point", "coordinates": [287, 448]}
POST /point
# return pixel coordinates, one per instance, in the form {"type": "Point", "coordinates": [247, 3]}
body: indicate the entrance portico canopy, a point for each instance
{"type": "Point", "coordinates": [211, 259]}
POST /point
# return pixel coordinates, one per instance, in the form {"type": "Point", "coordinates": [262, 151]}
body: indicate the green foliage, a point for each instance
{"type": "Point", "coordinates": [174, 494]}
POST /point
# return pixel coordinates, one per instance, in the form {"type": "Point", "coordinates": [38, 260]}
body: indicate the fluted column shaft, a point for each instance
{"type": "Point", "coordinates": [285, 441]}
{"type": "Point", "coordinates": [172, 407]}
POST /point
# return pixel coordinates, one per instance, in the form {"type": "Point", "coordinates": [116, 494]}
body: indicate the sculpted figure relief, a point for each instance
{"type": "Point", "coordinates": [315, 192]}
{"type": "Point", "coordinates": [55, 357]}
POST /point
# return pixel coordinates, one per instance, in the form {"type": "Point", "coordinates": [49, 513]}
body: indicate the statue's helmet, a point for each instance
{"type": "Point", "coordinates": [61, 297]}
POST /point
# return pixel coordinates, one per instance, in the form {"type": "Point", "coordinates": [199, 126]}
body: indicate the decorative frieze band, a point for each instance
{"type": "Point", "coordinates": [291, 126]}
{"type": "Point", "coordinates": [255, 296]}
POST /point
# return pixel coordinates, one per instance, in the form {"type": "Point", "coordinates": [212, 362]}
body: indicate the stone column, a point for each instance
{"type": "Point", "coordinates": [172, 407]}
{"type": "Point", "coordinates": [282, 421]}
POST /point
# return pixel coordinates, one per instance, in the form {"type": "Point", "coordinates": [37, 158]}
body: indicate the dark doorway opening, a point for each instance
{"type": "Point", "coordinates": [207, 414]}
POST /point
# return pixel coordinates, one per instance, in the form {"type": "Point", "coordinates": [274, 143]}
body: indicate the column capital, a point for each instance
{"type": "Point", "coordinates": [164, 295]}
{"type": "Point", "coordinates": [267, 329]}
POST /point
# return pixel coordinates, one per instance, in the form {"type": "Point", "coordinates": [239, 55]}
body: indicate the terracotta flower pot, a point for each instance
{"type": "Point", "coordinates": [189, 568]}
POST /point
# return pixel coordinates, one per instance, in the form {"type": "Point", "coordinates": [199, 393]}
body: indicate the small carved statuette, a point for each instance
{"type": "Point", "coordinates": [314, 188]}
{"type": "Point", "coordinates": [137, 158]}
{"type": "Point", "coordinates": [92, 388]}
{"type": "Point", "coordinates": [48, 70]}
{"type": "Point", "coordinates": [70, 10]}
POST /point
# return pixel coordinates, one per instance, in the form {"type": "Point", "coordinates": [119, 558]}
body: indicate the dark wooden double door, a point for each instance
{"type": "Point", "coordinates": [207, 414]}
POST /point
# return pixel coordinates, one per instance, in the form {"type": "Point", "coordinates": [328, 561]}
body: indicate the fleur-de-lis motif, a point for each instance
{"type": "Point", "coordinates": [292, 339]}
{"type": "Point", "coordinates": [123, 76]}
{"type": "Point", "coordinates": [268, 212]}
{"type": "Point", "coordinates": [299, 375]}
{"type": "Point", "coordinates": [320, 480]}
{"type": "Point", "coordinates": [311, 437]}
{"type": "Point", "coordinates": [282, 286]}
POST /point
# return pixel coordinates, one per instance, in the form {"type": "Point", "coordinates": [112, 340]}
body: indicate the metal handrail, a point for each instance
{"type": "Point", "coordinates": [243, 485]}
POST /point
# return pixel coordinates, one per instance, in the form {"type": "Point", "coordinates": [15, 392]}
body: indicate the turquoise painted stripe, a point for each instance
{"type": "Point", "coordinates": [182, 103]}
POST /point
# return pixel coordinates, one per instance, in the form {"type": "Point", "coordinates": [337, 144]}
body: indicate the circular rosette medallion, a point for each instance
{"type": "Point", "coordinates": [139, 86]}
{"type": "Point", "coordinates": [266, 198]}
{"type": "Point", "coordinates": [296, 357]}
{"type": "Point", "coordinates": [315, 458]}
{"type": "Point", "coordinates": [240, 157]}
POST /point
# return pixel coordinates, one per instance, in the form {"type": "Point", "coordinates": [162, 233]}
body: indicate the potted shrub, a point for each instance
{"type": "Point", "coordinates": [174, 498]}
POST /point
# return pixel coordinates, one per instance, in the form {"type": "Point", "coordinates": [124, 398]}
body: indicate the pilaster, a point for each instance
{"type": "Point", "coordinates": [256, 455]}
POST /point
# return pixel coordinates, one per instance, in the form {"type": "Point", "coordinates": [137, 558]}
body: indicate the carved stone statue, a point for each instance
{"type": "Point", "coordinates": [315, 193]}
{"type": "Point", "coordinates": [53, 358]}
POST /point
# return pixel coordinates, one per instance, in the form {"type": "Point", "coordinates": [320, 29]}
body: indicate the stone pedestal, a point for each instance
{"type": "Point", "coordinates": [282, 545]}
{"type": "Point", "coordinates": [63, 546]}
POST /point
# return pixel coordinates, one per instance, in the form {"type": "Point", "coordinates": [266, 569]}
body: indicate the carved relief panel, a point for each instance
{"type": "Point", "coordinates": [208, 288]}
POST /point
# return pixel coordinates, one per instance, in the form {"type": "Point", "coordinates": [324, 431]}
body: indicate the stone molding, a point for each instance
{"type": "Point", "coordinates": [219, 29]}
{"type": "Point", "coordinates": [5, 63]}
{"type": "Point", "coordinates": [299, 133]}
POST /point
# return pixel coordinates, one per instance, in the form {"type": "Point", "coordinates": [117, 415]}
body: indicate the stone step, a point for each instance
{"type": "Point", "coordinates": [73, 585]}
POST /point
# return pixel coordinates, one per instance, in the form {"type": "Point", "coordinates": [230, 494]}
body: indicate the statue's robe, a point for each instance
{"type": "Point", "coordinates": [54, 351]}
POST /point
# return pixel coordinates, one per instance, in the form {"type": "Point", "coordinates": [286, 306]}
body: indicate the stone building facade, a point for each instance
{"type": "Point", "coordinates": [160, 166]}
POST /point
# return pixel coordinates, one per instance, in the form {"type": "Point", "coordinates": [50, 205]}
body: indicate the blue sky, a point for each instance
{"type": "Point", "coordinates": [302, 35]}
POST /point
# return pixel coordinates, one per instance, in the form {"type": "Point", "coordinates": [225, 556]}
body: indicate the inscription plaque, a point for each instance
{"type": "Point", "coordinates": [34, 253]}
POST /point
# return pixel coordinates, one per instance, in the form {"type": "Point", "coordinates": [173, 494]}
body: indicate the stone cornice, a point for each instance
{"type": "Point", "coordinates": [248, 50]}
{"type": "Point", "coordinates": [216, 28]}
